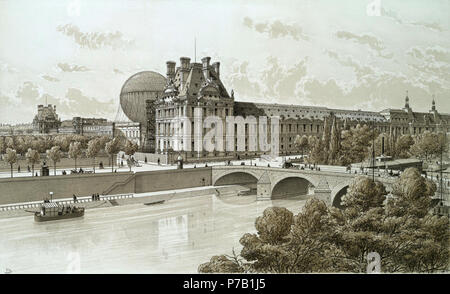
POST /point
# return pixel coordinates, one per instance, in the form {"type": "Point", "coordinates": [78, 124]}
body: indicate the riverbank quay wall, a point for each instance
{"type": "Point", "coordinates": [26, 189]}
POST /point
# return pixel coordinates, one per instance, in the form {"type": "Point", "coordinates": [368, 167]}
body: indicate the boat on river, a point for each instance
{"type": "Point", "coordinates": [54, 211]}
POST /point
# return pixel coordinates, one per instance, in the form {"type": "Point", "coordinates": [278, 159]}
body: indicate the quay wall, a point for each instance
{"type": "Point", "coordinates": [26, 189]}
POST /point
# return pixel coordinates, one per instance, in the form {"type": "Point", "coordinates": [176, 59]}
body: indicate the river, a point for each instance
{"type": "Point", "coordinates": [172, 237]}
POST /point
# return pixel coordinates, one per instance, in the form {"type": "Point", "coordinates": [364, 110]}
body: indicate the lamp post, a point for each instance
{"type": "Point", "coordinates": [373, 150]}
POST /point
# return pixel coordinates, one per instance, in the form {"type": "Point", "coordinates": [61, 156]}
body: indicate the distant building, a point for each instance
{"type": "Point", "coordinates": [46, 120]}
{"type": "Point", "coordinates": [92, 126]}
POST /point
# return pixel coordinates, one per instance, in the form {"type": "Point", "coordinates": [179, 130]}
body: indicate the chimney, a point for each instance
{"type": "Point", "coordinates": [184, 62]}
{"type": "Point", "coordinates": [216, 66]}
{"type": "Point", "coordinates": [170, 69]}
{"type": "Point", "coordinates": [184, 68]}
{"type": "Point", "coordinates": [205, 62]}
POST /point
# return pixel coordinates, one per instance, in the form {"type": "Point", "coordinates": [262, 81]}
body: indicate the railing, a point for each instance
{"type": "Point", "coordinates": [66, 201]}
{"type": "Point", "coordinates": [117, 184]}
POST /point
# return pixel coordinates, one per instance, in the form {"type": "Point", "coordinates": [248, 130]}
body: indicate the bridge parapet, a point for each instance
{"type": "Point", "coordinates": [326, 184]}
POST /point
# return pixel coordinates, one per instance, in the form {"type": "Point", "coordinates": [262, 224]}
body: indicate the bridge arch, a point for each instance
{"type": "Point", "coordinates": [338, 192]}
{"type": "Point", "coordinates": [237, 177]}
{"type": "Point", "coordinates": [291, 185]}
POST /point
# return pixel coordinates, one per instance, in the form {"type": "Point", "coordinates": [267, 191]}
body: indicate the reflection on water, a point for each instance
{"type": "Point", "coordinates": [174, 237]}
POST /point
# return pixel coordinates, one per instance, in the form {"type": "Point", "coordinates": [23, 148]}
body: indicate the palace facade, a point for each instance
{"type": "Point", "coordinates": [193, 87]}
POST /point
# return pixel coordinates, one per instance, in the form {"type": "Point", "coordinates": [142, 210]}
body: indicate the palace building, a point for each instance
{"type": "Point", "coordinates": [192, 86]}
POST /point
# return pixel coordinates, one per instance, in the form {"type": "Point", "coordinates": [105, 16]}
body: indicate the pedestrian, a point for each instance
{"type": "Point", "coordinates": [145, 159]}
{"type": "Point", "coordinates": [74, 198]}
{"type": "Point", "coordinates": [159, 161]}
{"type": "Point", "coordinates": [36, 174]}
{"type": "Point", "coordinates": [28, 168]}
{"type": "Point", "coordinates": [18, 169]}
{"type": "Point", "coordinates": [93, 197]}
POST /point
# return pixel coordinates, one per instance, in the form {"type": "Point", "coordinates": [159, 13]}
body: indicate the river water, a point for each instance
{"type": "Point", "coordinates": [172, 237]}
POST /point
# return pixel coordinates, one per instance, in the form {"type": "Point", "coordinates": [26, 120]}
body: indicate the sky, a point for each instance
{"type": "Point", "coordinates": [359, 54]}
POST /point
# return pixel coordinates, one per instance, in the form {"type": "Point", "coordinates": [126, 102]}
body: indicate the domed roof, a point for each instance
{"type": "Point", "coordinates": [144, 81]}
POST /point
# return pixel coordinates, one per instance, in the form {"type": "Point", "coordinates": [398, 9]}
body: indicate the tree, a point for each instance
{"type": "Point", "coordinates": [112, 148]}
{"type": "Point", "coordinates": [301, 143]}
{"type": "Point", "coordinates": [316, 151]}
{"type": "Point", "coordinates": [401, 229]}
{"type": "Point", "coordinates": [11, 158]}
{"type": "Point", "coordinates": [75, 151]}
{"type": "Point", "coordinates": [130, 149]}
{"type": "Point", "coordinates": [427, 145]}
{"type": "Point", "coordinates": [33, 157]}
{"type": "Point", "coordinates": [55, 155]}
{"type": "Point", "coordinates": [334, 143]}
{"type": "Point", "coordinates": [93, 149]}
{"type": "Point", "coordinates": [326, 134]}
{"type": "Point", "coordinates": [2, 145]}
{"type": "Point", "coordinates": [63, 141]}
{"type": "Point", "coordinates": [354, 144]}
{"type": "Point", "coordinates": [402, 146]}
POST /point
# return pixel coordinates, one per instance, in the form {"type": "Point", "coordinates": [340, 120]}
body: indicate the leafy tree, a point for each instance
{"type": "Point", "coordinates": [403, 145]}
{"type": "Point", "coordinates": [301, 143]}
{"type": "Point", "coordinates": [355, 144]}
{"type": "Point", "coordinates": [130, 148]}
{"type": "Point", "coordinates": [316, 151]}
{"type": "Point", "coordinates": [33, 157]}
{"type": "Point", "coordinates": [326, 239]}
{"type": "Point", "coordinates": [112, 148]}
{"type": "Point", "coordinates": [93, 149]}
{"type": "Point", "coordinates": [75, 151]}
{"type": "Point", "coordinates": [10, 157]}
{"type": "Point", "coordinates": [55, 155]}
{"type": "Point", "coordinates": [63, 141]}
{"type": "Point", "coordinates": [2, 145]}
{"type": "Point", "coordinates": [427, 145]}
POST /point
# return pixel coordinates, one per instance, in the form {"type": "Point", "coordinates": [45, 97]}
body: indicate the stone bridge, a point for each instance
{"type": "Point", "coordinates": [273, 182]}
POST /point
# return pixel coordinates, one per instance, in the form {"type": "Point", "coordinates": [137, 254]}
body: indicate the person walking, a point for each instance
{"type": "Point", "coordinates": [74, 198]}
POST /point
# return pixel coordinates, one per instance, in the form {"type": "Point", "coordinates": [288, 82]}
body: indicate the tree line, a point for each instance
{"type": "Point", "coordinates": [345, 145]}
{"type": "Point", "coordinates": [53, 148]}
{"type": "Point", "coordinates": [401, 228]}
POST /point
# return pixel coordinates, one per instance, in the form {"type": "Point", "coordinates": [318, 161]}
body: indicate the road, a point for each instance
{"type": "Point", "coordinates": [173, 237]}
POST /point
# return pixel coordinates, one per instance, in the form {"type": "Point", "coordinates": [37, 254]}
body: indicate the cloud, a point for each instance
{"type": "Point", "coordinates": [6, 68]}
{"type": "Point", "coordinates": [359, 69]}
{"type": "Point", "coordinates": [95, 40]}
{"type": "Point", "coordinates": [275, 82]}
{"type": "Point", "coordinates": [370, 88]}
{"type": "Point", "coordinates": [393, 16]}
{"type": "Point", "coordinates": [28, 93]}
{"type": "Point", "coordinates": [373, 42]}
{"type": "Point", "coordinates": [432, 65]}
{"type": "Point", "coordinates": [276, 29]}
{"type": "Point", "coordinates": [75, 103]}
{"type": "Point", "coordinates": [82, 105]}
{"type": "Point", "coordinates": [72, 67]}
{"type": "Point", "coordinates": [50, 78]}
{"type": "Point", "coordinates": [239, 80]}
